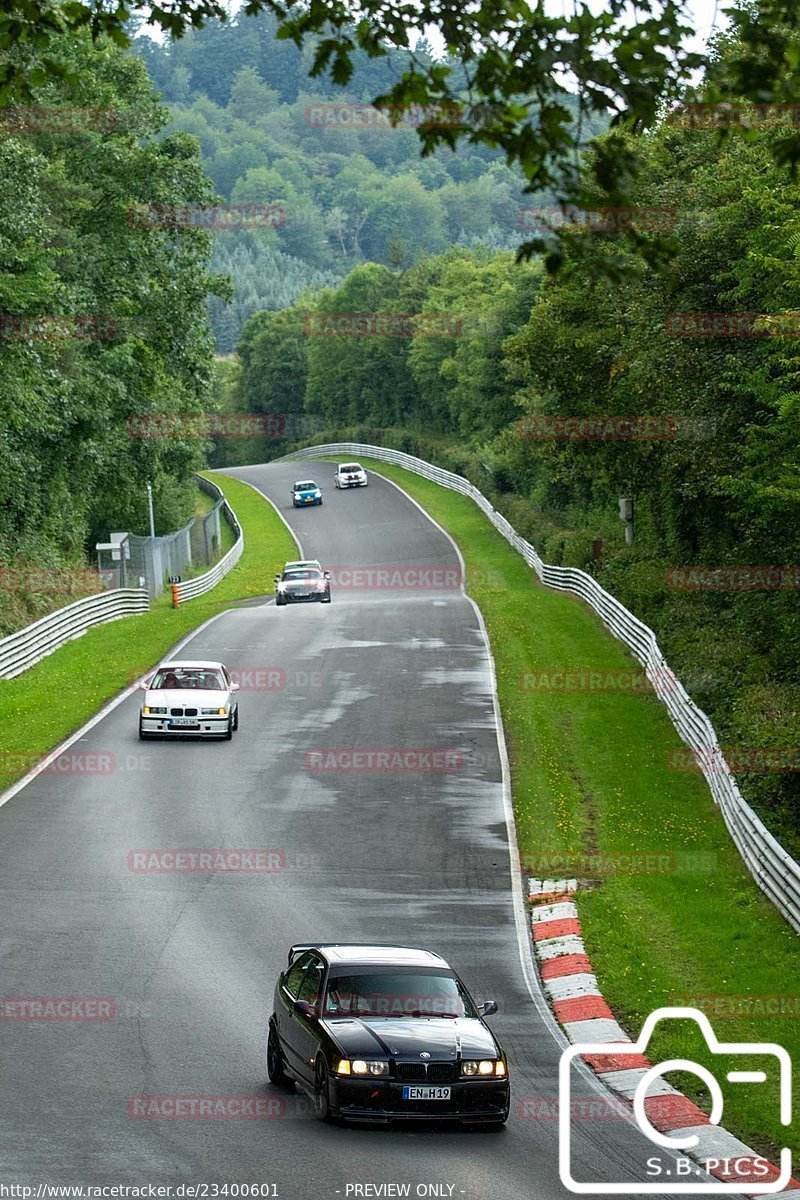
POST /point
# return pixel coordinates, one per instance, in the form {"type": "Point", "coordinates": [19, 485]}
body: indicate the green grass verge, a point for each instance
{"type": "Point", "coordinates": [51, 700]}
{"type": "Point", "coordinates": [591, 775]}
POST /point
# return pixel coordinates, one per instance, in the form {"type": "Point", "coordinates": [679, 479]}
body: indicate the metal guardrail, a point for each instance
{"type": "Point", "coordinates": [27, 646]}
{"type": "Point", "coordinates": [774, 870]}
{"type": "Point", "coordinates": [204, 583]}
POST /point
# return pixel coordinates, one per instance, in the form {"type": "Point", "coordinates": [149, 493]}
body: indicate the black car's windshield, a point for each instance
{"type": "Point", "coordinates": [396, 992]}
{"type": "Point", "coordinates": [292, 575]}
{"type": "Point", "coordinates": [199, 678]}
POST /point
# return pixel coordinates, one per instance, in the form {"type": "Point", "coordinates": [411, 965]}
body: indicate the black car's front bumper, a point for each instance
{"type": "Point", "coordinates": [472, 1101]}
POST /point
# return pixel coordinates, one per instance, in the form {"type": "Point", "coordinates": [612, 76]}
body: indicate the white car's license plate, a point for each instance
{"type": "Point", "coordinates": [426, 1093]}
{"type": "Point", "coordinates": [183, 721]}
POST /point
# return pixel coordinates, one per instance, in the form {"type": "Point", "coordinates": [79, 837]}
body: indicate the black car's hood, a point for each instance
{"type": "Point", "coordinates": [407, 1037]}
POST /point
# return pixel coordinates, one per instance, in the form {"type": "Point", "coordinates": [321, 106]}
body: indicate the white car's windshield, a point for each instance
{"type": "Point", "coordinates": [196, 678]}
{"type": "Point", "coordinates": [350, 467]}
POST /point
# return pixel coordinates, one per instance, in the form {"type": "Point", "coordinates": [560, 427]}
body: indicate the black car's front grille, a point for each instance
{"type": "Point", "coordinates": [411, 1071]}
{"type": "Point", "coordinates": [435, 1072]}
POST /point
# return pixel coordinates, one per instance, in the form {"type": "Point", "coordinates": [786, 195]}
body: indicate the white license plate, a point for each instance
{"type": "Point", "coordinates": [426, 1093]}
{"type": "Point", "coordinates": [183, 721]}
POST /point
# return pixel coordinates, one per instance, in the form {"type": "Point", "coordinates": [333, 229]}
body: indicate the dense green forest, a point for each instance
{"type": "Point", "coordinates": [134, 336]}
{"type": "Point", "coordinates": [720, 487]}
{"type": "Point", "coordinates": [268, 134]}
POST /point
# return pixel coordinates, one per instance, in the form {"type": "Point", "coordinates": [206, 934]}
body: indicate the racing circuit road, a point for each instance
{"type": "Point", "coordinates": [190, 960]}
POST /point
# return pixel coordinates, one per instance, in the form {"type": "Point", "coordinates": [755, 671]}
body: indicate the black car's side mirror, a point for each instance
{"type": "Point", "coordinates": [487, 1008]}
{"type": "Point", "coordinates": [305, 1009]}
{"type": "Point", "coordinates": [326, 574]}
{"type": "Point", "coordinates": [276, 579]}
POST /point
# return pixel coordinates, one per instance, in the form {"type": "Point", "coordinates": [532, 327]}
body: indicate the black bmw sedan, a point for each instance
{"type": "Point", "coordinates": [385, 1033]}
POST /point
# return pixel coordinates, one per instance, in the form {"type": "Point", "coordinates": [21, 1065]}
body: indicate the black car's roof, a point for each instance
{"type": "Point", "coordinates": [358, 954]}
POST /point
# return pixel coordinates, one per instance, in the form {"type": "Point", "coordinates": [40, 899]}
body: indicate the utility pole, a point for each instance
{"type": "Point", "coordinates": [626, 515]}
{"type": "Point", "coordinates": [150, 508]}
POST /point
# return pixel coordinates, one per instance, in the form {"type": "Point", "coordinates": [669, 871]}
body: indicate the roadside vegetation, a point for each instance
{"type": "Point", "coordinates": [592, 780]}
{"type": "Point", "coordinates": [50, 701]}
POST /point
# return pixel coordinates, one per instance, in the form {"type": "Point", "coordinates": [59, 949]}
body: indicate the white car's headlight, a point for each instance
{"type": "Point", "coordinates": [149, 711]}
{"type": "Point", "coordinates": [213, 712]}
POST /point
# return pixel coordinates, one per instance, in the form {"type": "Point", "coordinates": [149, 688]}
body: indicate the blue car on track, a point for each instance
{"type": "Point", "coordinates": [306, 492]}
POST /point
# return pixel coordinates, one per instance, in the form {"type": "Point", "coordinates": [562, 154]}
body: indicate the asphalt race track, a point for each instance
{"type": "Point", "coordinates": [190, 959]}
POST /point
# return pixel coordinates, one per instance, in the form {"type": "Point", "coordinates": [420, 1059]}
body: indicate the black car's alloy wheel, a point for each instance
{"type": "Point", "coordinates": [275, 1069]}
{"type": "Point", "coordinates": [321, 1101]}
{"type": "Point", "coordinates": [235, 719]}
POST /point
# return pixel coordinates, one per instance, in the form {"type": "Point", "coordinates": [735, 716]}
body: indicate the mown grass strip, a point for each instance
{"type": "Point", "coordinates": [53, 699]}
{"type": "Point", "coordinates": [591, 776]}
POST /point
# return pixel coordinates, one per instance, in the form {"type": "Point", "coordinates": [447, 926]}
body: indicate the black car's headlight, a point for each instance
{"type": "Point", "coordinates": [149, 711]}
{"type": "Point", "coordinates": [483, 1067]}
{"type": "Point", "coordinates": [362, 1066]}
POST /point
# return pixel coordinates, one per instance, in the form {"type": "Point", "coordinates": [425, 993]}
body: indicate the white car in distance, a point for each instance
{"type": "Point", "coordinates": [350, 475]}
{"type": "Point", "coordinates": [189, 697]}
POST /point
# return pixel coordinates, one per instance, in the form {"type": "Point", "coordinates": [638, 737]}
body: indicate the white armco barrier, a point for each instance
{"type": "Point", "coordinates": [204, 583]}
{"type": "Point", "coordinates": [21, 650]}
{"type": "Point", "coordinates": [774, 870]}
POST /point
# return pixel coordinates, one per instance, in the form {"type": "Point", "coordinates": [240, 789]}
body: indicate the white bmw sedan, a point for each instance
{"type": "Point", "coordinates": [189, 697]}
